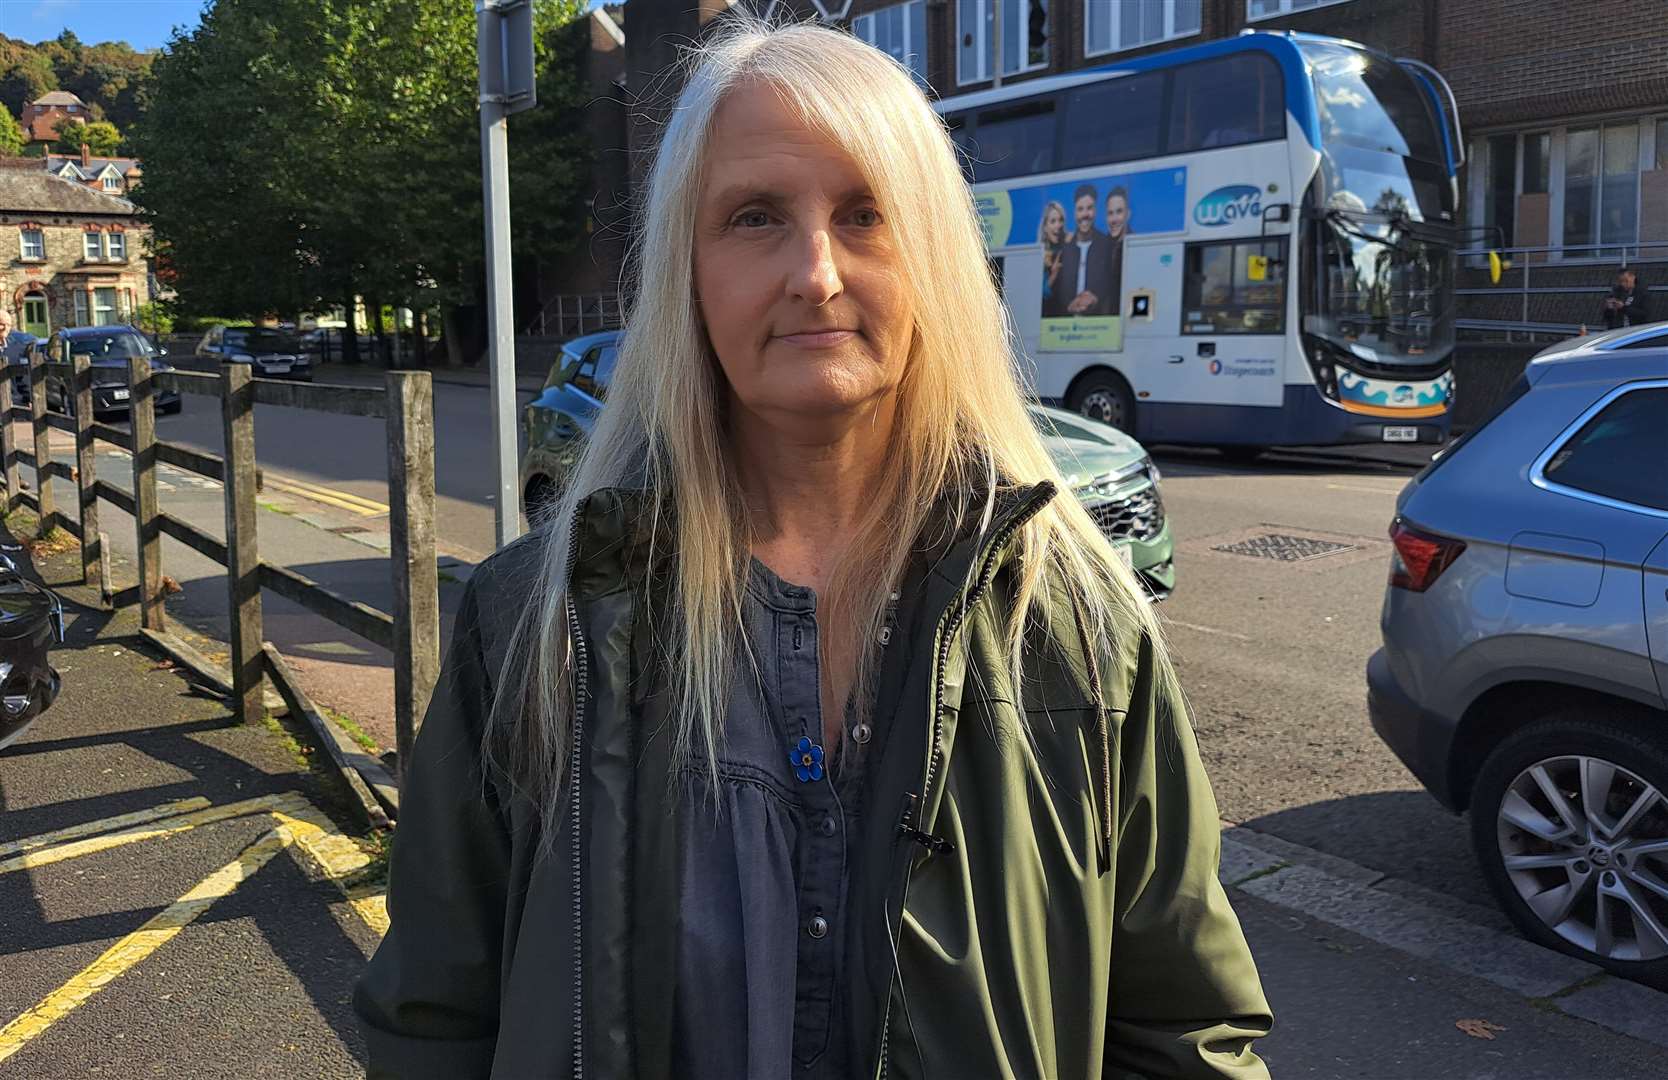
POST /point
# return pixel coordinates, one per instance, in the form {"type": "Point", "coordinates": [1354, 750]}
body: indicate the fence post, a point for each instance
{"type": "Point", "coordinates": [86, 473]}
{"type": "Point", "coordinates": [43, 450]}
{"type": "Point", "coordinates": [8, 441]}
{"type": "Point", "coordinates": [243, 565]}
{"type": "Point", "coordinates": [141, 404]}
{"type": "Point", "coordinates": [411, 529]}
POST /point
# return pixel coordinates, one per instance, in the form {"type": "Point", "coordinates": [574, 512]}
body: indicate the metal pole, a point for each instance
{"type": "Point", "coordinates": [495, 186]}
{"type": "Point", "coordinates": [996, 43]}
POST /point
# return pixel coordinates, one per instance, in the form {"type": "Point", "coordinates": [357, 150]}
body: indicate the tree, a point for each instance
{"type": "Point", "coordinates": [301, 152]}
{"type": "Point", "coordinates": [101, 137]}
{"type": "Point", "coordinates": [11, 135]}
{"type": "Point", "coordinates": [24, 75]}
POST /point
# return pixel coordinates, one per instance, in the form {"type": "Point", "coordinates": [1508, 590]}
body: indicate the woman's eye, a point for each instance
{"type": "Point", "coordinates": [867, 217]}
{"type": "Point", "coordinates": [752, 219]}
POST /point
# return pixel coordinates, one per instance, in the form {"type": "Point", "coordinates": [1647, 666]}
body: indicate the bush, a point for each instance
{"type": "Point", "coordinates": [199, 324]}
{"type": "Point", "coordinates": [155, 317]}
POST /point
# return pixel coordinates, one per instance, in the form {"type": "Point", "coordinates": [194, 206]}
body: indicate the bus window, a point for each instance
{"type": "Point", "coordinates": [962, 136]}
{"type": "Point", "coordinates": [1235, 287]}
{"type": "Point", "coordinates": [1225, 102]}
{"type": "Point", "coordinates": [1014, 140]}
{"type": "Point", "coordinates": [1115, 120]}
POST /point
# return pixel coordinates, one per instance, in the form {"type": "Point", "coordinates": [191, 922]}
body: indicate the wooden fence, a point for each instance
{"type": "Point", "coordinates": [406, 402]}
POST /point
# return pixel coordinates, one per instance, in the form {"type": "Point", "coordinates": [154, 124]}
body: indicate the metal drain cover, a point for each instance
{"type": "Point", "coordinates": [1284, 547]}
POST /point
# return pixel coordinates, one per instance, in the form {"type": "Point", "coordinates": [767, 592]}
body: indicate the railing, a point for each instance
{"type": "Point", "coordinates": [572, 314]}
{"type": "Point", "coordinates": [1517, 279]}
{"type": "Point", "coordinates": [411, 631]}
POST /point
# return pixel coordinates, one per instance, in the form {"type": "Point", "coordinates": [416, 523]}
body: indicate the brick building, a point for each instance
{"type": "Point", "coordinates": [111, 175]}
{"type": "Point", "coordinates": [41, 116]}
{"type": "Point", "coordinates": [76, 255]}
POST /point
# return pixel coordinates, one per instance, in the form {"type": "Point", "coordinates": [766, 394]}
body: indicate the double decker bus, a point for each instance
{"type": "Point", "coordinates": [1244, 243]}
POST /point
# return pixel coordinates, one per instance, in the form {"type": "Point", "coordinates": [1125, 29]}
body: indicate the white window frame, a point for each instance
{"type": "Point", "coordinates": [115, 246]}
{"type": "Point", "coordinates": [114, 310]}
{"type": "Point", "coordinates": [23, 236]}
{"type": "Point", "coordinates": [1287, 8]}
{"type": "Point", "coordinates": [915, 52]}
{"type": "Point", "coordinates": [1170, 33]}
{"type": "Point", "coordinates": [986, 52]}
{"type": "Point", "coordinates": [111, 181]}
{"type": "Point", "coordinates": [92, 245]}
{"type": "Point", "coordinates": [80, 298]}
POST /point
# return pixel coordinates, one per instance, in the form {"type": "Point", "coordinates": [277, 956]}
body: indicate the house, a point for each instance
{"type": "Point", "coordinates": [111, 175]}
{"type": "Point", "coordinates": [70, 255]}
{"type": "Point", "coordinates": [41, 116]}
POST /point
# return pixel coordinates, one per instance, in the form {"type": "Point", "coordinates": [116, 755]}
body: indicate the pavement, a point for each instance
{"type": "Point", "coordinates": [184, 895]}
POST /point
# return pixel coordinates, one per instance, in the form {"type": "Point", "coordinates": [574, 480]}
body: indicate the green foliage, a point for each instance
{"type": "Point", "coordinates": [111, 77]}
{"type": "Point", "coordinates": [297, 151]}
{"type": "Point", "coordinates": [11, 135]}
{"type": "Point", "coordinates": [155, 317]}
{"type": "Point", "coordinates": [101, 137]}
{"type": "Point", "coordinates": [199, 324]}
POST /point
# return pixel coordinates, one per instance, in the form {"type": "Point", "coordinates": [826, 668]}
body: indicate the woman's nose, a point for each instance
{"type": "Point", "coordinates": [815, 278]}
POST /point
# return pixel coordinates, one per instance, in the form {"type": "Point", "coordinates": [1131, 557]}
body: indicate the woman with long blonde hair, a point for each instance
{"type": "Point", "coordinates": [816, 734]}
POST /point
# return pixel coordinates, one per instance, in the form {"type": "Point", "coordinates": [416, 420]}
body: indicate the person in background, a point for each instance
{"type": "Point", "coordinates": [1051, 234]}
{"type": "Point", "coordinates": [14, 345]}
{"type": "Point", "coordinates": [1083, 269]}
{"type": "Point", "coordinates": [1626, 305]}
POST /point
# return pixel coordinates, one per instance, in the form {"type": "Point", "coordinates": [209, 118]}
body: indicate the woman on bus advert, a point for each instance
{"type": "Point", "coordinates": [820, 733]}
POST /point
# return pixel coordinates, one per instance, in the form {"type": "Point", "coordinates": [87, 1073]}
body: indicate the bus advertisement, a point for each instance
{"type": "Point", "coordinates": [1245, 243]}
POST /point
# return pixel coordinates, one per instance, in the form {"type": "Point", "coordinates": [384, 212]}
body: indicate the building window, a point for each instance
{"type": "Point", "coordinates": [1268, 9]}
{"type": "Point", "coordinates": [105, 312]}
{"type": "Point", "coordinates": [1601, 186]}
{"type": "Point", "coordinates": [899, 31]}
{"type": "Point", "coordinates": [92, 246]}
{"type": "Point", "coordinates": [112, 182]}
{"type": "Point", "coordinates": [1113, 25]}
{"type": "Point", "coordinates": [80, 307]}
{"type": "Point", "coordinates": [117, 246]}
{"type": "Point", "coordinates": [1025, 31]}
{"type": "Point", "coordinates": [33, 244]}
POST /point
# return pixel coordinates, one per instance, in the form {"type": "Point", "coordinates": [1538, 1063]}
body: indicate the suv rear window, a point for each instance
{"type": "Point", "coordinates": [1622, 453]}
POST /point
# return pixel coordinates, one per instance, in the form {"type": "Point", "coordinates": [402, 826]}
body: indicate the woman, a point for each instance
{"type": "Point", "coordinates": [815, 737]}
{"type": "Point", "coordinates": [1051, 235]}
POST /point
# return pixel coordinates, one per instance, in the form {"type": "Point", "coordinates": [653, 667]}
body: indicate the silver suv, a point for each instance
{"type": "Point", "coordinates": [1524, 674]}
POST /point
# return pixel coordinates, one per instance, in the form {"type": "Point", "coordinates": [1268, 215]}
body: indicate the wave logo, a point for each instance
{"type": "Point", "coordinates": [1228, 205]}
{"type": "Point", "coordinates": [1216, 367]}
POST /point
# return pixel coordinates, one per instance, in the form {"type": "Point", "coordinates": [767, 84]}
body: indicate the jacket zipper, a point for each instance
{"type": "Point", "coordinates": [581, 689]}
{"type": "Point", "coordinates": [947, 631]}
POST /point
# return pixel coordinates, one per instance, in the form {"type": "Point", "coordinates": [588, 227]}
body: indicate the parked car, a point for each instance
{"type": "Point", "coordinates": [31, 622]}
{"type": "Point", "coordinates": [109, 347]}
{"type": "Point", "coordinates": [1109, 472]}
{"type": "Point", "coordinates": [271, 353]}
{"type": "Point", "coordinates": [1524, 674]}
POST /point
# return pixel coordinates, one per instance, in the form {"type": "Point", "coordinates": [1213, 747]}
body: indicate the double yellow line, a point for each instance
{"type": "Point", "coordinates": [297, 826]}
{"type": "Point", "coordinates": [329, 496]}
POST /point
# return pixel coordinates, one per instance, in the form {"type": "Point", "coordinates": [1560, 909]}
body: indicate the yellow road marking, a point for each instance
{"type": "Point", "coordinates": [109, 824]}
{"type": "Point", "coordinates": [372, 906]}
{"type": "Point", "coordinates": [343, 499]}
{"type": "Point", "coordinates": [123, 955]}
{"type": "Point", "coordinates": [154, 830]}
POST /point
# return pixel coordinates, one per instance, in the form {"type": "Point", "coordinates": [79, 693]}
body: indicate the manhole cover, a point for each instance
{"type": "Point", "coordinates": [345, 530]}
{"type": "Point", "coordinates": [1284, 548]}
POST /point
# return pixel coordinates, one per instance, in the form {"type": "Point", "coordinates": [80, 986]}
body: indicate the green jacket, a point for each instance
{"type": "Point", "coordinates": [1053, 899]}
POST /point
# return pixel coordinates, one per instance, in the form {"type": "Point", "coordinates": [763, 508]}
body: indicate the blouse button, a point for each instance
{"type": "Point", "coordinates": [862, 733]}
{"type": "Point", "coordinates": [828, 825]}
{"type": "Point", "coordinates": [817, 927]}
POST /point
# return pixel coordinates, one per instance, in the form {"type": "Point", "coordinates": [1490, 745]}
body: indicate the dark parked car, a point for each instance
{"type": "Point", "coordinates": [1524, 674]}
{"type": "Point", "coordinates": [109, 347]}
{"type": "Point", "coordinates": [31, 622]}
{"type": "Point", "coordinates": [1109, 472]}
{"type": "Point", "coordinates": [270, 353]}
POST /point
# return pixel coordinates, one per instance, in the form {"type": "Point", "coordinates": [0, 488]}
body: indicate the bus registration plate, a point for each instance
{"type": "Point", "coordinates": [1401, 434]}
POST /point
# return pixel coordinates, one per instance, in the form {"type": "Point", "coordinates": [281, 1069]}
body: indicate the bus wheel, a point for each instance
{"type": "Point", "coordinates": [1102, 394]}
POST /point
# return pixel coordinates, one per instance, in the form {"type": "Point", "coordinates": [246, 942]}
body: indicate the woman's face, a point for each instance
{"type": "Point", "coordinates": [1054, 224]}
{"type": "Point", "coordinates": [800, 281]}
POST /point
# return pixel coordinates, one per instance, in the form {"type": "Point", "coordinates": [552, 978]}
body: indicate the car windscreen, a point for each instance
{"type": "Point", "coordinates": [115, 345]}
{"type": "Point", "coordinates": [258, 339]}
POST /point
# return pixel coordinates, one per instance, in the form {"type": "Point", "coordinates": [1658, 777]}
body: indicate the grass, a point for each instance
{"type": "Point", "coordinates": [302, 754]}
{"type": "Point", "coordinates": [448, 579]}
{"type": "Point", "coordinates": [354, 731]}
{"type": "Point", "coordinates": [274, 507]}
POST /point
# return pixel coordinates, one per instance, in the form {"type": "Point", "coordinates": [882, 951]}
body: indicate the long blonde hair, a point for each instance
{"type": "Point", "coordinates": [962, 422]}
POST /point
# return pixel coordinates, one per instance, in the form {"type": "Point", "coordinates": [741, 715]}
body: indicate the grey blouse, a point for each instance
{"type": "Point", "coordinates": [762, 909]}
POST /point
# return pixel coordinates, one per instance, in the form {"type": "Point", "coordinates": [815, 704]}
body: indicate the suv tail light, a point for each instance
{"type": "Point", "coordinates": [1420, 557]}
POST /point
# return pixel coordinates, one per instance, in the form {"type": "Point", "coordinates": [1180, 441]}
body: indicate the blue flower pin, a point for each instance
{"type": "Point", "coordinates": [807, 760]}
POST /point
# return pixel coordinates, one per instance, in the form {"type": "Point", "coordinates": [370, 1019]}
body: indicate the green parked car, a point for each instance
{"type": "Point", "coordinates": [1109, 472]}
